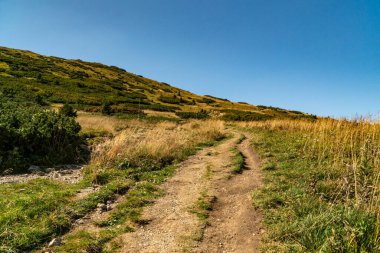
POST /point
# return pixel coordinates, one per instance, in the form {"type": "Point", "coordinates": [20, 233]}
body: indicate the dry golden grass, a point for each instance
{"type": "Point", "coordinates": [159, 145]}
{"type": "Point", "coordinates": [97, 122]}
{"type": "Point", "coordinates": [350, 149]}
{"type": "Point", "coordinates": [160, 114]}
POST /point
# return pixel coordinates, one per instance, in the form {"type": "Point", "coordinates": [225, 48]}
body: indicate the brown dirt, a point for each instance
{"type": "Point", "coordinates": [234, 223]}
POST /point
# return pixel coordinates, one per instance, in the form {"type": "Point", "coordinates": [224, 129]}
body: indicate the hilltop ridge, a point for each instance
{"type": "Point", "coordinates": [26, 75]}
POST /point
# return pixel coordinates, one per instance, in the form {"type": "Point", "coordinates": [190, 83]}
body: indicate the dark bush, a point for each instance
{"type": "Point", "coordinates": [106, 108]}
{"type": "Point", "coordinates": [67, 110]}
{"type": "Point", "coordinates": [30, 135]}
{"type": "Point", "coordinates": [160, 107]}
{"type": "Point", "coordinates": [170, 100]}
{"type": "Point", "coordinates": [123, 108]}
{"type": "Point", "coordinates": [206, 100]}
{"type": "Point", "coordinates": [235, 115]}
{"type": "Point", "coordinates": [218, 98]}
{"type": "Point", "coordinates": [202, 114]}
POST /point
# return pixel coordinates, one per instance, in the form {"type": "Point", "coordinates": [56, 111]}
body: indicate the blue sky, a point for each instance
{"type": "Point", "coordinates": [317, 56]}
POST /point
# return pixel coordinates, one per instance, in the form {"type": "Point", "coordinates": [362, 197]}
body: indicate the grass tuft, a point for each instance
{"type": "Point", "coordinates": [238, 162]}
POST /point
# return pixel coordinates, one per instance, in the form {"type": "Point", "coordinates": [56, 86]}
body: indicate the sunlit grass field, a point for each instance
{"type": "Point", "coordinates": [321, 190]}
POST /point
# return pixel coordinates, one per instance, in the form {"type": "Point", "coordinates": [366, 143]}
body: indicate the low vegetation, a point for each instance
{"type": "Point", "coordinates": [202, 114]}
{"type": "Point", "coordinates": [133, 162]}
{"type": "Point", "coordinates": [202, 209]}
{"type": "Point", "coordinates": [238, 161]}
{"type": "Point", "coordinates": [235, 115]}
{"type": "Point", "coordinates": [31, 135]}
{"type": "Point", "coordinates": [238, 158]}
{"type": "Point", "coordinates": [321, 190]}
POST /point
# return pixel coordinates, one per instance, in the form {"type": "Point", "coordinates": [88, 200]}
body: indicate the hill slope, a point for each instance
{"type": "Point", "coordinates": [29, 76]}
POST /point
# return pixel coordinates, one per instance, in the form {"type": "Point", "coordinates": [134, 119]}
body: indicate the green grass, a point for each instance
{"type": "Point", "coordinates": [297, 215]}
{"type": "Point", "coordinates": [33, 213]}
{"type": "Point", "coordinates": [238, 158]}
{"type": "Point", "coordinates": [27, 213]}
{"type": "Point", "coordinates": [238, 163]}
{"type": "Point", "coordinates": [202, 209]}
{"type": "Point", "coordinates": [241, 139]}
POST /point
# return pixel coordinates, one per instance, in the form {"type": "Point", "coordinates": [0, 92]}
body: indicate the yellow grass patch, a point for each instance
{"type": "Point", "coordinates": [165, 140]}
{"type": "Point", "coordinates": [4, 65]}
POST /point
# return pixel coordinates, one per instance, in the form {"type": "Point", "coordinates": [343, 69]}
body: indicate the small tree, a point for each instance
{"type": "Point", "coordinates": [67, 110]}
{"type": "Point", "coordinates": [39, 100]}
{"type": "Point", "coordinates": [106, 108]}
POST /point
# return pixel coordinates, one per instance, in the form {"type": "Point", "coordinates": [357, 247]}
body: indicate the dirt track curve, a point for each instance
{"type": "Point", "coordinates": [233, 224]}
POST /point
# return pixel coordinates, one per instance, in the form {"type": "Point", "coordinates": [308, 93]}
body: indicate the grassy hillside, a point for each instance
{"type": "Point", "coordinates": [25, 75]}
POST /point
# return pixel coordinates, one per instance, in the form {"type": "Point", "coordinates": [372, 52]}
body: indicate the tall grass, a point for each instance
{"type": "Point", "coordinates": [344, 162]}
{"type": "Point", "coordinates": [153, 148]}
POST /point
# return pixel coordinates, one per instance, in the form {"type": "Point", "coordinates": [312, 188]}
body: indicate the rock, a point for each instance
{"type": "Point", "coordinates": [39, 173]}
{"type": "Point", "coordinates": [55, 242]}
{"type": "Point", "coordinates": [102, 207]}
{"type": "Point", "coordinates": [34, 168]}
{"type": "Point", "coordinates": [49, 170]}
{"type": "Point", "coordinates": [66, 172]}
{"type": "Point", "coordinates": [7, 172]}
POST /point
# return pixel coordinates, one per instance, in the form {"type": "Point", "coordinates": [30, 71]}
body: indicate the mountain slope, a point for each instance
{"type": "Point", "coordinates": [30, 76]}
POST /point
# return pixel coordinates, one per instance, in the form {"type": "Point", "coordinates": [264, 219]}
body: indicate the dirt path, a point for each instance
{"type": "Point", "coordinates": [234, 223]}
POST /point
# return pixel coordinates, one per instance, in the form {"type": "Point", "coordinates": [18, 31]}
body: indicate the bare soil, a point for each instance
{"type": "Point", "coordinates": [235, 225]}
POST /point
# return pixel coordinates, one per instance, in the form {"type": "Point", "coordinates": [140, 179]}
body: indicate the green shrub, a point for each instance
{"type": "Point", "coordinates": [160, 107]}
{"type": "Point", "coordinates": [30, 135]}
{"type": "Point", "coordinates": [206, 100]}
{"type": "Point", "coordinates": [226, 100]}
{"type": "Point", "coordinates": [235, 115]}
{"type": "Point", "coordinates": [170, 100]}
{"type": "Point", "coordinates": [67, 110]}
{"type": "Point", "coordinates": [202, 114]}
{"type": "Point", "coordinates": [124, 108]}
{"type": "Point", "coordinates": [106, 108]}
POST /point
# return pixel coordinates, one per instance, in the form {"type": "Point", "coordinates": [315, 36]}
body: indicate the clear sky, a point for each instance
{"type": "Point", "coordinates": [317, 56]}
